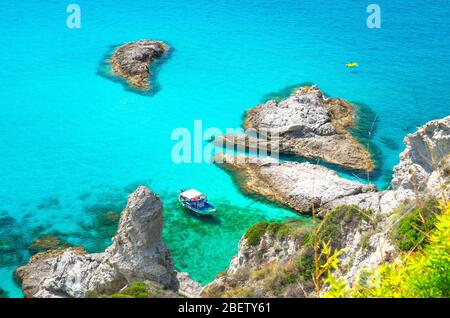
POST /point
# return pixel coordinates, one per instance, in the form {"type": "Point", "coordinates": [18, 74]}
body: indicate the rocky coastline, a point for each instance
{"type": "Point", "coordinates": [132, 61]}
{"type": "Point", "coordinates": [362, 224]}
{"type": "Point", "coordinates": [361, 218]}
{"type": "Point", "coordinates": [306, 187]}
{"type": "Point", "coordinates": [305, 124]}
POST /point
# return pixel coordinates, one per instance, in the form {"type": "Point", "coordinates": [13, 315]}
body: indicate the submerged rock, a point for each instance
{"type": "Point", "coordinates": [132, 61]}
{"type": "Point", "coordinates": [309, 125]}
{"type": "Point", "coordinates": [48, 242]}
{"type": "Point", "coordinates": [136, 254]}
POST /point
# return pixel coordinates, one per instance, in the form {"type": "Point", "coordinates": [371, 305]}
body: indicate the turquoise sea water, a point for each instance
{"type": "Point", "coordinates": [74, 144]}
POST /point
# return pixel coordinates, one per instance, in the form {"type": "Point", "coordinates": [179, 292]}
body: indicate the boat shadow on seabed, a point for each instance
{"type": "Point", "coordinates": [210, 219]}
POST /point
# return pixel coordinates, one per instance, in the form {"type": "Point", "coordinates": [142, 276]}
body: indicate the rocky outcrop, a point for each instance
{"type": "Point", "coordinates": [270, 248]}
{"type": "Point", "coordinates": [425, 162]}
{"type": "Point", "coordinates": [188, 287]}
{"type": "Point", "coordinates": [305, 124]}
{"type": "Point", "coordinates": [132, 61]}
{"type": "Point", "coordinates": [136, 254]}
{"type": "Point", "coordinates": [301, 186]}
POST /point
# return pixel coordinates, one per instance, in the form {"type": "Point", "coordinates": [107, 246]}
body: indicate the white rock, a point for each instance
{"type": "Point", "coordinates": [136, 254]}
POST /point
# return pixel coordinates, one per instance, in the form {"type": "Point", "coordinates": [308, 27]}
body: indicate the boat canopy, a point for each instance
{"type": "Point", "coordinates": [190, 194]}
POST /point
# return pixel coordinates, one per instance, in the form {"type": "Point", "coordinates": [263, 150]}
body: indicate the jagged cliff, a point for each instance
{"type": "Point", "coordinates": [136, 254]}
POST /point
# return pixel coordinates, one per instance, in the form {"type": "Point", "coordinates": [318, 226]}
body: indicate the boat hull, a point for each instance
{"type": "Point", "coordinates": [210, 210]}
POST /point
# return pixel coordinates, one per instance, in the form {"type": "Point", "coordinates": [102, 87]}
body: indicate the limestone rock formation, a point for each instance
{"type": "Point", "coordinates": [187, 286]}
{"type": "Point", "coordinates": [132, 61]}
{"type": "Point", "coordinates": [305, 124]}
{"type": "Point", "coordinates": [301, 186]}
{"type": "Point", "coordinates": [425, 162]}
{"type": "Point", "coordinates": [136, 254]}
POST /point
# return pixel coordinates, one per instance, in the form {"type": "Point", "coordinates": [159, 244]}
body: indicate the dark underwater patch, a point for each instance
{"type": "Point", "coordinates": [365, 128]}
{"type": "Point", "coordinates": [84, 196]}
{"type": "Point", "coordinates": [7, 221]}
{"type": "Point", "coordinates": [131, 187]}
{"type": "Point", "coordinates": [48, 242]}
{"type": "Point", "coordinates": [49, 203]}
{"type": "Point", "coordinates": [12, 243]}
{"type": "Point", "coordinates": [390, 143]}
{"type": "Point", "coordinates": [104, 210]}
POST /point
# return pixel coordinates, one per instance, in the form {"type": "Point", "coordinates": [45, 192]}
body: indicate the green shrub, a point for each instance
{"type": "Point", "coordinates": [135, 290]}
{"type": "Point", "coordinates": [278, 230]}
{"type": "Point", "coordinates": [92, 294]}
{"type": "Point", "coordinates": [213, 290]}
{"type": "Point", "coordinates": [305, 266]}
{"type": "Point", "coordinates": [365, 240]}
{"type": "Point", "coordinates": [254, 234]}
{"type": "Point", "coordinates": [332, 227]}
{"type": "Point", "coordinates": [414, 227]}
{"type": "Point", "coordinates": [118, 295]}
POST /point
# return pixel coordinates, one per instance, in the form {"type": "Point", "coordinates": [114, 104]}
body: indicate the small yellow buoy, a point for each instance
{"type": "Point", "coordinates": [352, 64]}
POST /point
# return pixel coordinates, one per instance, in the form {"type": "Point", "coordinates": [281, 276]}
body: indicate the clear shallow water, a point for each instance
{"type": "Point", "coordinates": [73, 143]}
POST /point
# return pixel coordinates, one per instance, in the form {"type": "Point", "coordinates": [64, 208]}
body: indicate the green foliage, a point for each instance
{"type": "Point", "coordinates": [213, 290]}
{"type": "Point", "coordinates": [421, 274]}
{"type": "Point", "coordinates": [92, 294]}
{"type": "Point", "coordinates": [145, 289]}
{"type": "Point", "coordinates": [305, 266]}
{"type": "Point", "coordinates": [119, 295]}
{"type": "Point", "coordinates": [333, 225]}
{"type": "Point", "coordinates": [278, 230]}
{"type": "Point", "coordinates": [365, 240]}
{"type": "Point", "coordinates": [135, 290]}
{"type": "Point", "coordinates": [413, 228]}
{"type": "Point", "coordinates": [254, 234]}
{"type": "Point", "coordinates": [338, 287]}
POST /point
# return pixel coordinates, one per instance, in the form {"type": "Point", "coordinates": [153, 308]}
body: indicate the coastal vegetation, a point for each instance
{"type": "Point", "coordinates": [302, 275]}
{"type": "Point", "coordinates": [143, 289]}
{"type": "Point", "coordinates": [278, 230]}
{"type": "Point", "coordinates": [332, 230]}
{"type": "Point", "coordinates": [413, 228]}
{"type": "Point", "coordinates": [422, 271]}
{"type": "Point", "coordinates": [420, 267]}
